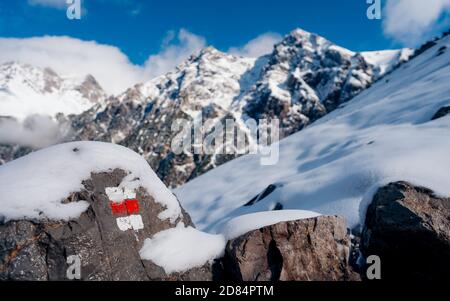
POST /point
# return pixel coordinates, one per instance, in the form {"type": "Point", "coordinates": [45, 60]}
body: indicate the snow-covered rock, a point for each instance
{"type": "Point", "coordinates": [33, 186]}
{"type": "Point", "coordinates": [95, 201]}
{"type": "Point", "coordinates": [314, 249]}
{"type": "Point", "coordinates": [182, 248]}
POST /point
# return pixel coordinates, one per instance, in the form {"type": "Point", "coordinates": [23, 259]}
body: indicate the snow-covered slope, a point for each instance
{"type": "Point", "coordinates": [387, 60]}
{"type": "Point", "coordinates": [333, 167]}
{"type": "Point", "coordinates": [26, 90]}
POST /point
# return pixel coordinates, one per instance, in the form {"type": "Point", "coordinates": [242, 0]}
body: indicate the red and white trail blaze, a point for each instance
{"type": "Point", "coordinates": [125, 207]}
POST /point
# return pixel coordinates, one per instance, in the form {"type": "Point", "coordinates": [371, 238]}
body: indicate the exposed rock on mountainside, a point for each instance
{"type": "Point", "coordinates": [306, 77]}
{"type": "Point", "coordinates": [38, 250]}
{"type": "Point", "coordinates": [314, 249]}
{"type": "Point", "coordinates": [204, 86]}
{"type": "Point", "coordinates": [12, 152]}
{"type": "Point", "coordinates": [408, 227]}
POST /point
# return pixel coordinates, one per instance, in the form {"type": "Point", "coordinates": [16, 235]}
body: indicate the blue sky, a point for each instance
{"type": "Point", "coordinates": [139, 27]}
{"type": "Point", "coordinates": [123, 42]}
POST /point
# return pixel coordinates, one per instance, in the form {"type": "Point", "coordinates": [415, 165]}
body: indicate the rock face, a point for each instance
{"type": "Point", "coordinates": [38, 250]}
{"type": "Point", "coordinates": [409, 229]}
{"type": "Point", "coordinates": [314, 249]}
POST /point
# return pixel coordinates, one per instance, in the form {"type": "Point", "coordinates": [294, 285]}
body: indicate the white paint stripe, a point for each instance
{"type": "Point", "coordinates": [132, 222]}
{"type": "Point", "coordinates": [116, 194]}
{"type": "Point", "coordinates": [136, 222]}
{"type": "Point", "coordinates": [124, 223]}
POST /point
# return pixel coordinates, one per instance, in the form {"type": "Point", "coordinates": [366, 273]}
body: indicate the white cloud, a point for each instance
{"type": "Point", "coordinates": [259, 46]}
{"type": "Point", "coordinates": [175, 49]}
{"type": "Point", "coordinates": [412, 21]}
{"type": "Point", "coordinates": [60, 4]}
{"type": "Point", "coordinates": [108, 64]}
{"type": "Point", "coordinates": [69, 56]}
{"type": "Point", "coordinates": [35, 131]}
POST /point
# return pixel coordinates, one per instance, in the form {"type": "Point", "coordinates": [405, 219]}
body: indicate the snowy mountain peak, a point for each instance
{"type": "Point", "coordinates": [299, 35]}
{"type": "Point", "coordinates": [302, 39]}
{"type": "Point", "coordinates": [27, 90]}
{"type": "Point", "coordinates": [41, 80]}
{"type": "Point", "coordinates": [210, 50]}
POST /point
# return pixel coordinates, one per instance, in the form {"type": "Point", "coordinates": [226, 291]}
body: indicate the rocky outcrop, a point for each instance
{"type": "Point", "coordinates": [314, 249]}
{"type": "Point", "coordinates": [38, 250]}
{"type": "Point", "coordinates": [408, 227]}
{"type": "Point", "coordinates": [442, 112]}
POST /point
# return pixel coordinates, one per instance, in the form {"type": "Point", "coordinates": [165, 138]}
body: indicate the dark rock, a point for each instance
{"type": "Point", "coordinates": [424, 47]}
{"type": "Point", "coordinates": [442, 50]}
{"type": "Point", "coordinates": [304, 250]}
{"type": "Point", "coordinates": [409, 229]}
{"type": "Point", "coordinates": [38, 250]}
{"type": "Point", "coordinates": [271, 188]}
{"type": "Point", "coordinates": [442, 112]}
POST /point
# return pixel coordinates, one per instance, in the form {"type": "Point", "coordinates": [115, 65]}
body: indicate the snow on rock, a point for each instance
{"type": "Point", "coordinates": [34, 186]}
{"type": "Point", "coordinates": [292, 251]}
{"type": "Point", "coordinates": [383, 135]}
{"type": "Point", "coordinates": [246, 223]}
{"type": "Point", "coordinates": [182, 248]}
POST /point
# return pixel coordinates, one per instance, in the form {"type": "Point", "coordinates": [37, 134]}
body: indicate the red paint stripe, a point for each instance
{"type": "Point", "coordinates": [118, 208]}
{"type": "Point", "coordinates": [125, 207]}
{"type": "Point", "coordinates": [132, 206]}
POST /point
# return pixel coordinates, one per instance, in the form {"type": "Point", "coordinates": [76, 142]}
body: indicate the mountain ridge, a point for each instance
{"type": "Point", "coordinates": [304, 78]}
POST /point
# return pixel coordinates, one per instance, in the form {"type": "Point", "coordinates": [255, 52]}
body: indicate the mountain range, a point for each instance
{"type": "Point", "coordinates": [303, 79]}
